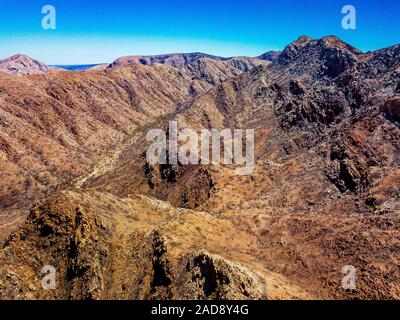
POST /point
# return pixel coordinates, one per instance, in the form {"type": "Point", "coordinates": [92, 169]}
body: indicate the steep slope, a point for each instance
{"type": "Point", "coordinates": [21, 64]}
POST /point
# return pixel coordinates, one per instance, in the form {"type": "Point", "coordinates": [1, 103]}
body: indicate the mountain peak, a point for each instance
{"type": "Point", "coordinates": [22, 64]}
{"type": "Point", "coordinates": [336, 42]}
{"type": "Point", "coordinates": [302, 40]}
{"type": "Point", "coordinates": [19, 56]}
{"type": "Point", "coordinates": [330, 41]}
{"type": "Point", "coordinates": [328, 56]}
{"type": "Point", "coordinates": [332, 38]}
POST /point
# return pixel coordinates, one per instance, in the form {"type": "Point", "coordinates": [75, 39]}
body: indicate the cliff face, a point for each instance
{"type": "Point", "coordinates": [323, 194]}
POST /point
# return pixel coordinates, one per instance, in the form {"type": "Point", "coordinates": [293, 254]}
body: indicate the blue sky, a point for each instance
{"type": "Point", "coordinates": [100, 31]}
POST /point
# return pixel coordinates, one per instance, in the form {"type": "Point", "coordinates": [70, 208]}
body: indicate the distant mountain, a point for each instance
{"type": "Point", "coordinates": [270, 56]}
{"type": "Point", "coordinates": [173, 59]}
{"type": "Point", "coordinates": [21, 64]}
{"type": "Point", "coordinates": [181, 60]}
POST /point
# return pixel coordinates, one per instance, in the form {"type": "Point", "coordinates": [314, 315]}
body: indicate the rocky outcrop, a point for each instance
{"type": "Point", "coordinates": [391, 109]}
{"type": "Point", "coordinates": [202, 276]}
{"type": "Point", "coordinates": [347, 171]}
{"type": "Point", "coordinates": [78, 243]}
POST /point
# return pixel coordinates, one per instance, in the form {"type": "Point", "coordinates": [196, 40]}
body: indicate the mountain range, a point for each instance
{"type": "Point", "coordinates": [21, 64]}
{"type": "Point", "coordinates": [77, 193]}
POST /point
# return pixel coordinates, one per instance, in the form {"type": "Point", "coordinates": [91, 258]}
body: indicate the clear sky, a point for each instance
{"type": "Point", "coordinates": [89, 31]}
